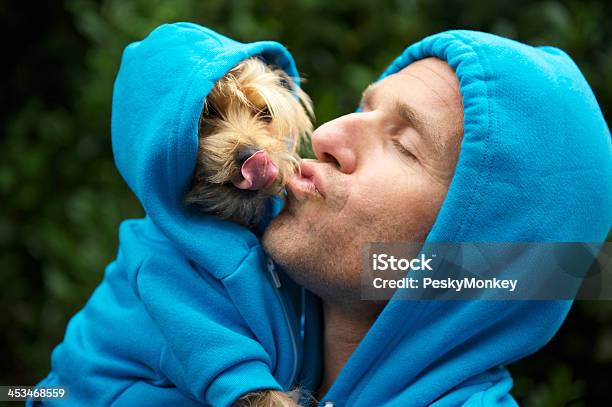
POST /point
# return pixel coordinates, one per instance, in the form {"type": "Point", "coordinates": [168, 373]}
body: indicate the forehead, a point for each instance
{"type": "Point", "coordinates": [429, 84]}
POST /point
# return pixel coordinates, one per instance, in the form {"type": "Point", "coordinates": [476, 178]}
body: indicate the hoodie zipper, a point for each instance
{"type": "Point", "coordinates": [277, 286]}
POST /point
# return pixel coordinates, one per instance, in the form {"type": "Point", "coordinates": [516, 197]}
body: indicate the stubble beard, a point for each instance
{"type": "Point", "coordinates": [320, 256]}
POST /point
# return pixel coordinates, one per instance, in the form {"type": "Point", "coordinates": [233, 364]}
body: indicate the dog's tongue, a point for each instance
{"type": "Point", "coordinates": [258, 172]}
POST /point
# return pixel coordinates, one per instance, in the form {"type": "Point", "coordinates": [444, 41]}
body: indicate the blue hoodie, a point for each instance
{"type": "Point", "coordinates": [535, 166]}
{"type": "Point", "coordinates": [191, 312]}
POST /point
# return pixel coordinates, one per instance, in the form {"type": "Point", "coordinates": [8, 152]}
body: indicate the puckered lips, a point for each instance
{"type": "Point", "coordinates": [258, 172]}
{"type": "Point", "coordinates": [306, 183]}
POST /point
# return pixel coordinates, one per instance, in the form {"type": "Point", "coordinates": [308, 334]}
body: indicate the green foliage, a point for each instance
{"type": "Point", "coordinates": [62, 199]}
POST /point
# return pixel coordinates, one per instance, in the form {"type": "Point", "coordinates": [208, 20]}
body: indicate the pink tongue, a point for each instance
{"type": "Point", "coordinates": [258, 172]}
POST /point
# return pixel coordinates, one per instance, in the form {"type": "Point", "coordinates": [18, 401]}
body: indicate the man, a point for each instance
{"type": "Point", "coordinates": [467, 137]}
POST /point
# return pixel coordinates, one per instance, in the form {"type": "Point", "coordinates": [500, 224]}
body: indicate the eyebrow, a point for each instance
{"type": "Point", "coordinates": [421, 123]}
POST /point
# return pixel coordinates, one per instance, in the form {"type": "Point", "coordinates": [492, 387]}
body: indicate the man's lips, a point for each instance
{"type": "Point", "coordinates": [307, 182]}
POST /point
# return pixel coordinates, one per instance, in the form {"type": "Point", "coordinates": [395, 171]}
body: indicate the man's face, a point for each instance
{"type": "Point", "coordinates": [381, 175]}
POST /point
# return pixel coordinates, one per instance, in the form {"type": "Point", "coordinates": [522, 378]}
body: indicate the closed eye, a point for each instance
{"type": "Point", "coordinates": [402, 149]}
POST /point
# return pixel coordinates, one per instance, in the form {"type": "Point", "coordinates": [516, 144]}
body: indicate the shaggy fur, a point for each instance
{"type": "Point", "coordinates": [253, 107]}
{"type": "Point", "coordinates": [268, 398]}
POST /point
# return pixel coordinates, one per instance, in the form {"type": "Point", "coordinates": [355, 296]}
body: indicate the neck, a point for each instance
{"type": "Point", "coordinates": [344, 328]}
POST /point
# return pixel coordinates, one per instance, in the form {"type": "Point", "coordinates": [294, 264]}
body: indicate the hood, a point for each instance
{"type": "Point", "coordinates": [158, 97]}
{"type": "Point", "coordinates": [535, 166]}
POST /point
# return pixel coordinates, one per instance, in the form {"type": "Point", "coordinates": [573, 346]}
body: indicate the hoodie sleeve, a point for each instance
{"type": "Point", "coordinates": [208, 351]}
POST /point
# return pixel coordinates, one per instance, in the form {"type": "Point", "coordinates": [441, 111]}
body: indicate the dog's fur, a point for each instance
{"type": "Point", "coordinates": [253, 107]}
{"type": "Point", "coordinates": [268, 398]}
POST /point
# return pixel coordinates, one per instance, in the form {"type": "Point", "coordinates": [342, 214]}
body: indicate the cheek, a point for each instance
{"type": "Point", "coordinates": [396, 207]}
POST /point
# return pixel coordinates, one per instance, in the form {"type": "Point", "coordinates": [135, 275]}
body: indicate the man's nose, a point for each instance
{"type": "Point", "coordinates": [337, 141]}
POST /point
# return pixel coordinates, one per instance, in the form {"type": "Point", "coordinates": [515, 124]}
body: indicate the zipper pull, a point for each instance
{"type": "Point", "coordinates": [272, 271]}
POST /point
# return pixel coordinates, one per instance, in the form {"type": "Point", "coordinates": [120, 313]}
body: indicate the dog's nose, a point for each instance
{"type": "Point", "coordinates": [257, 171]}
{"type": "Point", "coordinates": [243, 154]}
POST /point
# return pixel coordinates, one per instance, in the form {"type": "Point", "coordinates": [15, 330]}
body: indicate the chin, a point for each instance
{"type": "Point", "coordinates": [308, 258]}
{"type": "Point", "coordinates": [279, 239]}
{"type": "Point", "coordinates": [292, 237]}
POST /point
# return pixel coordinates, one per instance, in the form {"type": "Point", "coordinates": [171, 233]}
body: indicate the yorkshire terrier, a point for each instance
{"type": "Point", "coordinates": [253, 122]}
{"type": "Point", "coordinates": [250, 131]}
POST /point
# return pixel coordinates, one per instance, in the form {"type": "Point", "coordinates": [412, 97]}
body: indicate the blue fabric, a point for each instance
{"type": "Point", "coordinates": [187, 314]}
{"type": "Point", "coordinates": [535, 166]}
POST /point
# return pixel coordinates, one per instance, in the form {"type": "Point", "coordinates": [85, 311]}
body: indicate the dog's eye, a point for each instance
{"type": "Point", "coordinates": [285, 82]}
{"type": "Point", "coordinates": [264, 115]}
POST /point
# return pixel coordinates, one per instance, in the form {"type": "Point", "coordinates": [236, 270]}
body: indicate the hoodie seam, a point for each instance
{"type": "Point", "coordinates": [180, 121]}
{"type": "Point", "coordinates": [483, 179]}
{"type": "Point", "coordinates": [257, 250]}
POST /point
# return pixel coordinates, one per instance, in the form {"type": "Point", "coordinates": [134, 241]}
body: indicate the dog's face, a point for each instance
{"type": "Point", "coordinates": [250, 131]}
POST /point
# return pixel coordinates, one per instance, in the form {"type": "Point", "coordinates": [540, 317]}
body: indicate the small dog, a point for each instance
{"type": "Point", "coordinates": [253, 122]}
